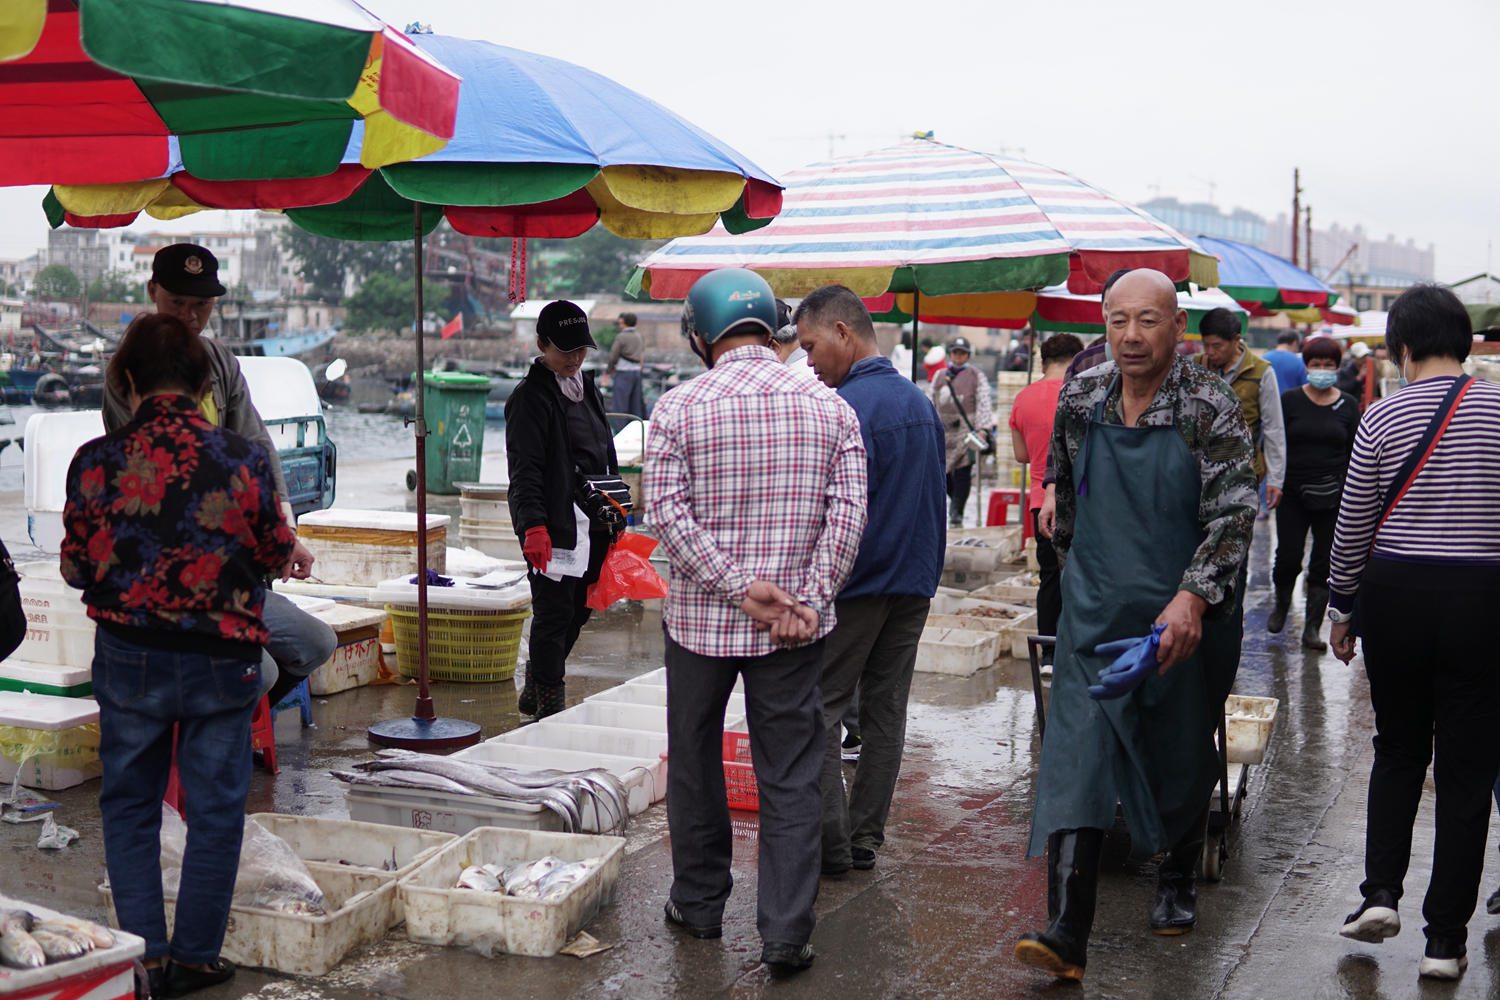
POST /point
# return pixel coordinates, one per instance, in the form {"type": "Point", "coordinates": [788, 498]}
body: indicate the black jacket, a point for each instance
{"type": "Point", "coordinates": [539, 456]}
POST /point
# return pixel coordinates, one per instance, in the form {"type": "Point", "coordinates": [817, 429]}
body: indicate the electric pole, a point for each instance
{"type": "Point", "coordinates": [1296, 208]}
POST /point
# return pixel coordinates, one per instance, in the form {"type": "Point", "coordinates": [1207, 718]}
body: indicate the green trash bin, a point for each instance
{"type": "Point", "coordinates": [454, 407]}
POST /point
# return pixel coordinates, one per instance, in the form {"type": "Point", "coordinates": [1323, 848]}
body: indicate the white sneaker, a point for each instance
{"type": "Point", "coordinates": [1443, 968]}
{"type": "Point", "coordinates": [1373, 922]}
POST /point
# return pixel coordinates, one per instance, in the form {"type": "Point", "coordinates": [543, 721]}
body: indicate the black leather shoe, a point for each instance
{"type": "Point", "coordinates": [674, 916]}
{"type": "Point", "coordinates": [526, 700]}
{"type": "Point", "coordinates": [783, 957]}
{"type": "Point", "coordinates": [156, 981]}
{"type": "Point", "coordinates": [862, 858]}
{"type": "Point", "coordinates": [1176, 907]}
{"type": "Point", "coordinates": [180, 980]}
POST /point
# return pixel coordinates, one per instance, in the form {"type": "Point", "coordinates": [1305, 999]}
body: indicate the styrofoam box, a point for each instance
{"type": "Point", "coordinates": [513, 593]}
{"type": "Point", "coordinates": [101, 974]}
{"type": "Point", "coordinates": [61, 639]}
{"type": "Point", "coordinates": [52, 741]}
{"type": "Point", "coordinates": [645, 779]}
{"type": "Point", "coordinates": [356, 659]}
{"type": "Point", "coordinates": [437, 913]}
{"type": "Point", "coordinates": [449, 812]}
{"type": "Point", "coordinates": [361, 906]}
{"type": "Point", "coordinates": [388, 851]}
{"type": "Point", "coordinates": [956, 651]}
{"type": "Point", "coordinates": [58, 679]}
{"type": "Point", "coordinates": [358, 562]}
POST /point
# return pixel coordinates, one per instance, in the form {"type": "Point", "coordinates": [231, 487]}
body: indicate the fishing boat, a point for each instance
{"type": "Point", "coordinates": [258, 334]}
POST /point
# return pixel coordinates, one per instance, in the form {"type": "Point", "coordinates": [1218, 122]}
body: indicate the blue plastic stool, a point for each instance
{"type": "Point", "coordinates": [300, 697]}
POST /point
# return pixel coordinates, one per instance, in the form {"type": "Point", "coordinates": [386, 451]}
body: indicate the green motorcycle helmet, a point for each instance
{"type": "Point", "coordinates": [732, 299]}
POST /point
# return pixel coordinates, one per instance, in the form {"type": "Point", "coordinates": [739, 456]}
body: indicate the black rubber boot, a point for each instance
{"type": "Point", "coordinates": [1276, 620]}
{"type": "Point", "coordinates": [1175, 910]}
{"type": "Point", "coordinates": [550, 699]}
{"type": "Point", "coordinates": [1317, 603]}
{"type": "Point", "coordinates": [1072, 888]}
{"type": "Point", "coordinates": [526, 700]}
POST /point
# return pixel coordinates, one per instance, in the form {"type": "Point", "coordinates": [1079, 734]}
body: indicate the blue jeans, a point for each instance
{"type": "Point", "coordinates": [142, 693]}
{"type": "Point", "coordinates": [299, 642]}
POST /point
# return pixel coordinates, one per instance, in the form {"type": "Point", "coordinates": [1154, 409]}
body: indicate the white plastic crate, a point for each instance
{"type": "Point", "coordinates": [361, 908]}
{"type": "Point", "coordinates": [448, 812]}
{"type": "Point", "coordinates": [956, 651]}
{"type": "Point", "coordinates": [647, 718]}
{"type": "Point", "coordinates": [588, 739]}
{"type": "Point", "coordinates": [1248, 723]}
{"type": "Point", "coordinates": [101, 974]}
{"type": "Point", "coordinates": [341, 844]}
{"type": "Point", "coordinates": [437, 913]}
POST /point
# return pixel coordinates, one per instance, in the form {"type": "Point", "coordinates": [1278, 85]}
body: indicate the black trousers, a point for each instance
{"type": "Point", "coordinates": [959, 483]}
{"type": "Point", "coordinates": [1434, 683]}
{"type": "Point", "coordinates": [784, 710]}
{"type": "Point", "coordinates": [1293, 522]}
{"type": "Point", "coordinates": [558, 614]}
{"type": "Point", "coordinates": [1049, 592]}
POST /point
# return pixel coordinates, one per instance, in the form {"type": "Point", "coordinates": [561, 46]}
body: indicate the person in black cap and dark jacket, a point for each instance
{"type": "Point", "coordinates": [555, 429]}
{"type": "Point", "coordinates": [185, 285]}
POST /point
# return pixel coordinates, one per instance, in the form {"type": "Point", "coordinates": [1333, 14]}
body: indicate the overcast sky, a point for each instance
{"type": "Point", "coordinates": [1385, 106]}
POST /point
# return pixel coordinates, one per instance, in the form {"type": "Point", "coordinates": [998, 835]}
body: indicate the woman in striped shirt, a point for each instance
{"type": "Point", "coordinates": [1416, 581]}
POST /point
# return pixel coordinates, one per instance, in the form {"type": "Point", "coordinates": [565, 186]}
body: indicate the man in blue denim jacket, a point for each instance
{"type": "Point", "coordinates": [883, 606]}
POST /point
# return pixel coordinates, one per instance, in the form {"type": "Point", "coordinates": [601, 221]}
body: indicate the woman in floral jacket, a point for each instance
{"type": "Point", "coordinates": [172, 526]}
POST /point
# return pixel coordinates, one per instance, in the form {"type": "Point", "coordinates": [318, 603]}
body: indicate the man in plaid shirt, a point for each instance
{"type": "Point", "coordinates": [756, 485]}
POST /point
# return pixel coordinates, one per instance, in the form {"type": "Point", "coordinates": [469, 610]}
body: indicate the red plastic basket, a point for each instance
{"type": "Point", "coordinates": [739, 773]}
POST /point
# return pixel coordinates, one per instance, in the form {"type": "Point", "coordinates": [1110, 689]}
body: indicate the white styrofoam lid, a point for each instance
{"type": "Point", "coordinates": [308, 603]}
{"type": "Point", "coordinates": [46, 711]}
{"type": "Point", "coordinates": [495, 591]}
{"type": "Point", "coordinates": [40, 569]}
{"type": "Point", "coordinates": [52, 674]}
{"type": "Point", "coordinates": [347, 616]}
{"type": "Point", "coordinates": [378, 520]}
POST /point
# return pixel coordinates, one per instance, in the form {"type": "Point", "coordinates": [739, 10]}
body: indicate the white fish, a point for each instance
{"type": "Point", "coordinates": [475, 877]}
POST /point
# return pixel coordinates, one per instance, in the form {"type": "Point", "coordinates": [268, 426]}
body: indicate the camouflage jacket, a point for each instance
{"type": "Point", "coordinates": [1208, 416]}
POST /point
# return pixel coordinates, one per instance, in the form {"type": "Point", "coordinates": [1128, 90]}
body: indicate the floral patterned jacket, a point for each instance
{"type": "Point", "coordinates": [172, 524]}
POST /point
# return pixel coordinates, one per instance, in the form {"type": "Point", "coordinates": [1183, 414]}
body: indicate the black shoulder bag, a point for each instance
{"type": "Point", "coordinates": [12, 615]}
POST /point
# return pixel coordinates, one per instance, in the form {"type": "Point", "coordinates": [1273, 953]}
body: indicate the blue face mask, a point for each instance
{"type": "Point", "coordinates": [1322, 378]}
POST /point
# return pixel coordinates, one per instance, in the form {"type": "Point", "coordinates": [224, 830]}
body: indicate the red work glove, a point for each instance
{"type": "Point", "coordinates": [537, 547]}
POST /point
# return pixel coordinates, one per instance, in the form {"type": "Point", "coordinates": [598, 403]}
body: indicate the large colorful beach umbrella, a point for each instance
{"type": "Point", "coordinates": [929, 219]}
{"type": "Point", "coordinates": [541, 148]}
{"type": "Point", "coordinates": [94, 91]}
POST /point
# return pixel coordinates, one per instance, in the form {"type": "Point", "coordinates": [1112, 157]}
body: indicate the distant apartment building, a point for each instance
{"type": "Point", "coordinates": [1202, 219]}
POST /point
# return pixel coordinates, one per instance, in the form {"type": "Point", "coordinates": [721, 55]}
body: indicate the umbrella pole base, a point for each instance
{"type": "Point", "coordinates": [425, 736]}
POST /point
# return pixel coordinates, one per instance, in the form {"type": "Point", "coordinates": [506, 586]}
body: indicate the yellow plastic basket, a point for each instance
{"type": "Point", "coordinates": [468, 645]}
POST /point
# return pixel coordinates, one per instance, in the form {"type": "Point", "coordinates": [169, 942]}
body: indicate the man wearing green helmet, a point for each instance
{"type": "Point", "coordinates": [756, 484]}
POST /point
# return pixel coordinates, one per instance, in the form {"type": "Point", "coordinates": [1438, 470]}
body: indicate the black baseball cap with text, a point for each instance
{"type": "Point", "coordinates": [564, 325]}
{"type": "Point", "coordinates": [187, 269]}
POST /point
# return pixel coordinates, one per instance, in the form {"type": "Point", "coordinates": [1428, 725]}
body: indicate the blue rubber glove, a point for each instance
{"type": "Point", "coordinates": [1134, 661]}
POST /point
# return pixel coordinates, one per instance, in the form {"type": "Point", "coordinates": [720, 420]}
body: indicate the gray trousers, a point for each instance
{"type": "Point", "coordinates": [299, 642]}
{"type": "Point", "coordinates": [785, 716]}
{"type": "Point", "coordinates": [873, 649]}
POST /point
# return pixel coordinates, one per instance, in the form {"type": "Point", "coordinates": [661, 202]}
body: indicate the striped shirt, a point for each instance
{"type": "Point", "coordinates": [1451, 514]}
{"type": "Point", "coordinates": [752, 473]}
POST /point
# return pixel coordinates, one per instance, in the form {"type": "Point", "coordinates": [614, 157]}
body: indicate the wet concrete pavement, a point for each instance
{"type": "Point", "coordinates": [952, 890]}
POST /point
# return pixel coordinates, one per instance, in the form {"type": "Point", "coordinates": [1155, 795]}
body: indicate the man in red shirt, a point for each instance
{"type": "Point", "coordinates": [1031, 419]}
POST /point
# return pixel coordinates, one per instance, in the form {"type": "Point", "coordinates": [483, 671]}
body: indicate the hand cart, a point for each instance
{"type": "Point", "coordinates": [1227, 796]}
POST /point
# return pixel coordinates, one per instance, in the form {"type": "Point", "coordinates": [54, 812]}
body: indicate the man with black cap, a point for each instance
{"type": "Point", "coordinates": [555, 430]}
{"type": "Point", "coordinates": [185, 284]}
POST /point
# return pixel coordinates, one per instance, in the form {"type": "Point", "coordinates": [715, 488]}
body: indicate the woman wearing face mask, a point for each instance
{"type": "Point", "coordinates": [1320, 422]}
{"type": "Point", "coordinates": [555, 428]}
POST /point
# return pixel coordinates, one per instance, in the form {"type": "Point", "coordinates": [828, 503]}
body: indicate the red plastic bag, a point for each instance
{"type": "Point", "coordinates": [627, 574]}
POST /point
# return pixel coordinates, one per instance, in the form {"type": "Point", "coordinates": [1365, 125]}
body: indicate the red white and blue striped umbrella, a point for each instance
{"type": "Point", "coordinates": [959, 227]}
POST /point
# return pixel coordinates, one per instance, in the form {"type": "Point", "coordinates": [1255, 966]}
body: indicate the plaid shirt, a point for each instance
{"type": "Point", "coordinates": [752, 473]}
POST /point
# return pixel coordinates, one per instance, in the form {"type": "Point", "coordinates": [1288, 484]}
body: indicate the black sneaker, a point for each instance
{"type": "Point", "coordinates": [1443, 960]}
{"type": "Point", "coordinates": [862, 858]}
{"type": "Point", "coordinates": [181, 980]}
{"type": "Point", "coordinates": [783, 957]}
{"type": "Point", "coordinates": [674, 916]}
{"type": "Point", "coordinates": [1375, 920]}
{"type": "Point", "coordinates": [851, 742]}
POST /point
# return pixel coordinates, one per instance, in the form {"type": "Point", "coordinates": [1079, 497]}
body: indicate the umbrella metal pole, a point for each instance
{"type": "Point", "coordinates": [423, 731]}
{"type": "Point", "coordinates": [916, 350]}
{"type": "Point", "coordinates": [424, 711]}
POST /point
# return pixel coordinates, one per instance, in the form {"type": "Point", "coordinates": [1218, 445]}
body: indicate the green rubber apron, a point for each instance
{"type": "Point", "coordinates": [1152, 751]}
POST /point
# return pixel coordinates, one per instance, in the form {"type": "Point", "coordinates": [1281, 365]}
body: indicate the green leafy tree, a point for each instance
{"type": "Point", "coordinates": [385, 302]}
{"type": "Point", "coordinates": [116, 286]}
{"type": "Point", "coordinates": [596, 262]}
{"type": "Point", "coordinates": [322, 262]}
{"type": "Point", "coordinates": [57, 281]}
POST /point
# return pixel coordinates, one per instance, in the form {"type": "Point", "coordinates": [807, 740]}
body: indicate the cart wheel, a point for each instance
{"type": "Point", "coordinates": [411, 480]}
{"type": "Point", "coordinates": [1215, 853]}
